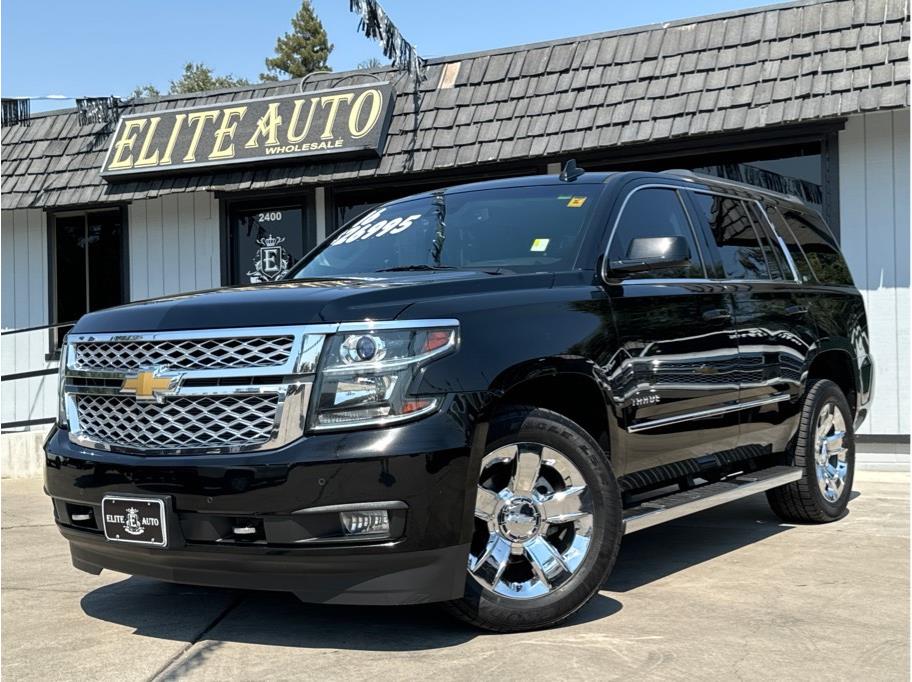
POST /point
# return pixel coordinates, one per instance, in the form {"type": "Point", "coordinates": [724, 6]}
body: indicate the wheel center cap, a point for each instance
{"type": "Point", "coordinates": [519, 519]}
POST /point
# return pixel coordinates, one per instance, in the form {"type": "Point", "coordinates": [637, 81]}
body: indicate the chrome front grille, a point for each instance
{"type": "Point", "coordinates": [183, 423]}
{"type": "Point", "coordinates": [202, 353]}
{"type": "Point", "coordinates": [213, 391]}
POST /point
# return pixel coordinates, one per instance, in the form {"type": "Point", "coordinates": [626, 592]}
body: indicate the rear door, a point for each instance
{"type": "Point", "coordinates": [674, 377]}
{"type": "Point", "coordinates": [773, 327]}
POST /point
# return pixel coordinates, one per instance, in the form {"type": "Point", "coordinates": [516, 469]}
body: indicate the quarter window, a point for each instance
{"type": "Point", "coordinates": [656, 213]}
{"type": "Point", "coordinates": [817, 244]}
{"type": "Point", "coordinates": [791, 242]}
{"type": "Point", "coordinates": [734, 233]}
{"type": "Point", "coordinates": [775, 258]}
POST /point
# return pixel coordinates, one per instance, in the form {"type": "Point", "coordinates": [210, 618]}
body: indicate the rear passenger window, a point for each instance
{"type": "Point", "coordinates": [818, 245]}
{"type": "Point", "coordinates": [733, 231]}
{"type": "Point", "coordinates": [656, 213]}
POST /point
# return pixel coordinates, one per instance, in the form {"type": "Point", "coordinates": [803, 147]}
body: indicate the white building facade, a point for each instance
{"type": "Point", "coordinates": [789, 100]}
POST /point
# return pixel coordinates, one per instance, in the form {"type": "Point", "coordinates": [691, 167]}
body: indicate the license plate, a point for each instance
{"type": "Point", "coordinates": [139, 520]}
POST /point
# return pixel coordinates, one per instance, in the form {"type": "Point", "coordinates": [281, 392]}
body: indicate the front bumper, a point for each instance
{"type": "Point", "coordinates": [427, 465]}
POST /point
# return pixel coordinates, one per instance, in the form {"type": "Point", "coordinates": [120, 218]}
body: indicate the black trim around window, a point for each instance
{"type": "Point", "coordinates": [54, 335]}
{"type": "Point", "coordinates": [229, 203]}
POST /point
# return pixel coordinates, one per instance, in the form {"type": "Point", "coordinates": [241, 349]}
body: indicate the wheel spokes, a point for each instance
{"type": "Point", "coordinates": [524, 490]}
{"type": "Point", "coordinates": [547, 563]}
{"type": "Point", "coordinates": [485, 504]}
{"type": "Point", "coordinates": [834, 444]}
{"type": "Point", "coordinates": [528, 465]}
{"type": "Point", "coordinates": [489, 567]}
{"type": "Point", "coordinates": [825, 420]}
{"type": "Point", "coordinates": [564, 505]}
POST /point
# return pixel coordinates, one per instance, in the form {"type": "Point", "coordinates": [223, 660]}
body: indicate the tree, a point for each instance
{"type": "Point", "coordinates": [302, 51]}
{"type": "Point", "coordinates": [147, 90]}
{"type": "Point", "coordinates": [372, 63]}
{"type": "Point", "coordinates": [199, 77]}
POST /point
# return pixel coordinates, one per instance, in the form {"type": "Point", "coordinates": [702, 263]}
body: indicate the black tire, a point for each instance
{"type": "Point", "coordinates": [486, 609]}
{"type": "Point", "coordinates": [803, 501]}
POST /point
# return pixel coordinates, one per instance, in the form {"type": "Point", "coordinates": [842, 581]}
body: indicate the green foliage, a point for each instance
{"type": "Point", "coordinates": [147, 90]}
{"type": "Point", "coordinates": [372, 63]}
{"type": "Point", "coordinates": [302, 51]}
{"type": "Point", "coordinates": [199, 77]}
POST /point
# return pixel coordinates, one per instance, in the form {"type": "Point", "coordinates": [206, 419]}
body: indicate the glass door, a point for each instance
{"type": "Point", "coordinates": [266, 239]}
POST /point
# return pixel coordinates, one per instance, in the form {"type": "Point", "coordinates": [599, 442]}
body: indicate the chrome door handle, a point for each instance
{"type": "Point", "coordinates": [796, 310]}
{"type": "Point", "coordinates": [717, 315]}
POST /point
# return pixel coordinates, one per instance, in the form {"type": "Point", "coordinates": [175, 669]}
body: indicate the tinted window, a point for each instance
{"type": "Point", "coordinates": [805, 273]}
{"type": "Point", "coordinates": [732, 229]}
{"type": "Point", "coordinates": [521, 229]}
{"type": "Point", "coordinates": [655, 213]}
{"type": "Point", "coordinates": [775, 258]}
{"type": "Point", "coordinates": [89, 255]}
{"type": "Point", "coordinates": [818, 245]}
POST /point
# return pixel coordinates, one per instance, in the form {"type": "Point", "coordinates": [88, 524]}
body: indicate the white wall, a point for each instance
{"type": "Point", "coordinates": [174, 245]}
{"type": "Point", "coordinates": [874, 225]}
{"type": "Point", "coordinates": [23, 236]}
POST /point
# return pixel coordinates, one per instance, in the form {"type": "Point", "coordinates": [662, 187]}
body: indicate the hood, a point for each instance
{"type": "Point", "coordinates": [294, 302]}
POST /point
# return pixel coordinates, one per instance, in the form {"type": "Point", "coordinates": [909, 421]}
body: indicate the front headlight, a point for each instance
{"type": "Point", "coordinates": [366, 373]}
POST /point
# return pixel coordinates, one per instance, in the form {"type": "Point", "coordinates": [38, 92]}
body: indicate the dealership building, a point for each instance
{"type": "Point", "coordinates": [180, 193]}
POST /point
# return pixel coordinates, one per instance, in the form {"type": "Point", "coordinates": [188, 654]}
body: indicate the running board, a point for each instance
{"type": "Point", "coordinates": [676, 505]}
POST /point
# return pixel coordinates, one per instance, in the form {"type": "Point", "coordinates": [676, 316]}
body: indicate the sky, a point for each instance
{"type": "Point", "coordinates": [108, 47]}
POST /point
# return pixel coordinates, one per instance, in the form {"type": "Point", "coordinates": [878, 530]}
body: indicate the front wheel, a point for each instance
{"type": "Point", "coordinates": [547, 524]}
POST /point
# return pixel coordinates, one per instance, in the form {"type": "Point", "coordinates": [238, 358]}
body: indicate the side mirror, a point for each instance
{"type": "Point", "coordinates": [652, 253]}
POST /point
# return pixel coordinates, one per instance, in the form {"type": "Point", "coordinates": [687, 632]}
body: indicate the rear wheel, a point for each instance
{"type": "Point", "coordinates": [547, 523]}
{"type": "Point", "coordinates": [825, 448]}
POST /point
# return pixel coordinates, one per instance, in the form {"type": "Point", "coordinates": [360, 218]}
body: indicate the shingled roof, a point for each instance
{"type": "Point", "coordinates": [749, 69]}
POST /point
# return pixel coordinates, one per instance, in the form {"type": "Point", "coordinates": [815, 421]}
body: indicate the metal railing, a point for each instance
{"type": "Point", "coordinates": [44, 371]}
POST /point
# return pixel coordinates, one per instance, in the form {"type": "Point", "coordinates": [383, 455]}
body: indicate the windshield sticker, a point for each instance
{"type": "Point", "coordinates": [366, 228]}
{"type": "Point", "coordinates": [576, 202]}
{"type": "Point", "coordinates": [540, 244]}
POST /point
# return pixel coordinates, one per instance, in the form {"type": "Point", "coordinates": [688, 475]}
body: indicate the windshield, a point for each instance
{"type": "Point", "coordinates": [517, 229]}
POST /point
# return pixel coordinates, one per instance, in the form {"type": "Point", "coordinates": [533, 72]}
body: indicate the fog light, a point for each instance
{"type": "Point", "coordinates": [367, 522]}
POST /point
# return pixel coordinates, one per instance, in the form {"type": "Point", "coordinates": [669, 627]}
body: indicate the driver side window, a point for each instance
{"type": "Point", "coordinates": [655, 212]}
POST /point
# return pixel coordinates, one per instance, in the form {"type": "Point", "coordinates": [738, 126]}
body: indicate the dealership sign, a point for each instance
{"type": "Point", "coordinates": [350, 121]}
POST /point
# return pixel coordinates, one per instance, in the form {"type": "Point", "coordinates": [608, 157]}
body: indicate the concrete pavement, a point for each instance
{"type": "Point", "coordinates": [728, 593]}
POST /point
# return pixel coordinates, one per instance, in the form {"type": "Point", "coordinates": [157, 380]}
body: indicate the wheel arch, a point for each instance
{"type": "Point", "coordinates": [571, 386]}
{"type": "Point", "coordinates": [837, 365]}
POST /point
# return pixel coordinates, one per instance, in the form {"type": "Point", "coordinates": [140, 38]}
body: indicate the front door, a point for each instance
{"type": "Point", "coordinates": [265, 239]}
{"type": "Point", "coordinates": [675, 376]}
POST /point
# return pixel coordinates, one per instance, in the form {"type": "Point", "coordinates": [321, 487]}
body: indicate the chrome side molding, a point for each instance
{"type": "Point", "coordinates": [700, 414]}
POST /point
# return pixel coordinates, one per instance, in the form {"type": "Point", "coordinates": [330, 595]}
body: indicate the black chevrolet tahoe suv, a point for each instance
{"type": "Point", "coordinates": [469, 396]}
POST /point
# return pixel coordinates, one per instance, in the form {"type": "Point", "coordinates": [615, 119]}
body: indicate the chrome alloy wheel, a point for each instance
{"type": "Point", "coordinates": [533, 521]}
{"type": "Point", "coordinates": [830, 452]}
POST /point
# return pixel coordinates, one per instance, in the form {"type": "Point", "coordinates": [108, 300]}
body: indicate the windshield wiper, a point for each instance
{"type": "Point", "coordinates": [417, 267]}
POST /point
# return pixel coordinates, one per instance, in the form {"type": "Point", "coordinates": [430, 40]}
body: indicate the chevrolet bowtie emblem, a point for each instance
{"type": "Point", "coordinates": [147, 385]}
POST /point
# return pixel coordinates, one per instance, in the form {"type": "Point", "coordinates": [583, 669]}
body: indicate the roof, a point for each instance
{"type": "Point", "coordinates": [743, 70]}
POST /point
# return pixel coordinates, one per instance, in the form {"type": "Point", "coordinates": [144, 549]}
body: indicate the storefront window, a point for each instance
{"type": "Point", "coordinates": [792, 169]}
{"type": "Point", "coordinates": [797, 175]}
{"type": "Point", "coordinates": [266, 239]}
{"type": "Point", "coordinates": [89, 256]}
